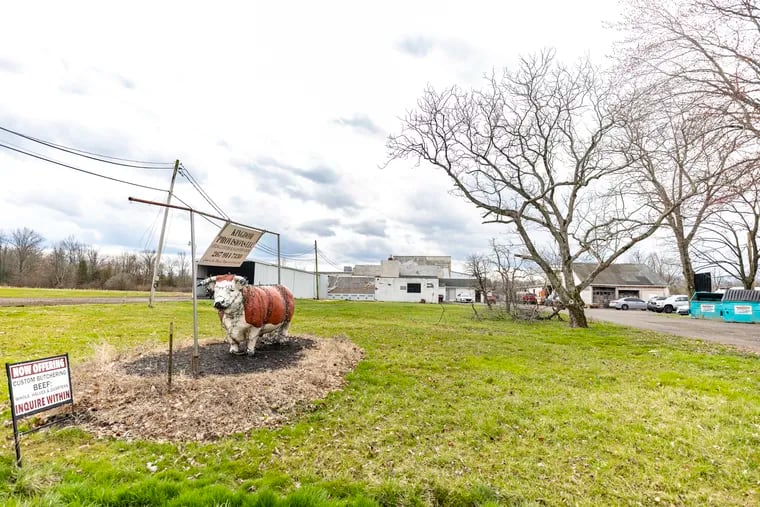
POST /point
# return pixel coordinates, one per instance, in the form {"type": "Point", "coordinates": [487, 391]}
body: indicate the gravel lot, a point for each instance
{"type": "Point", "coordinates": [742, 336]}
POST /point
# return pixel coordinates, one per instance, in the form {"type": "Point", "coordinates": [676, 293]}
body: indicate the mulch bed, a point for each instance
{"type": "Point", "coordinates": [126, 395]}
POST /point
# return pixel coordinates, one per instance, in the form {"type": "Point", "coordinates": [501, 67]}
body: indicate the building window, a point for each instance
{"type": "Point", "coordinates": [415, 288]}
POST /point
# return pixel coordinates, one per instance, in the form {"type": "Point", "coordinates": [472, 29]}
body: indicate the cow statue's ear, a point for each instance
{"type": "Point", "coordinates": [208, 283]}
{"type": "Point", "coordinates": [241, 281]}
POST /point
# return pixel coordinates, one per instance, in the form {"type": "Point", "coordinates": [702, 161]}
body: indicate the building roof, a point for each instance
{"type": "Point", "coordinates": [621, 274]}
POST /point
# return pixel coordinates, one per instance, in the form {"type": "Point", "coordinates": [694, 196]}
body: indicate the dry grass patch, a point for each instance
{"type": "Point", "coordinates": [125, 395]}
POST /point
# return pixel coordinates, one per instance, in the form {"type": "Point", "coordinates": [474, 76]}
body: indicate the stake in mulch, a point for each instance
{"type": "Point", "coordinates": [171, 346]}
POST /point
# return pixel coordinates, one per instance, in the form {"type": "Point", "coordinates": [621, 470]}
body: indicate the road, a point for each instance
{"type": "Point", "coordinates": [742, 336]}
{"type": "Point", "coordinates": [86, 301]}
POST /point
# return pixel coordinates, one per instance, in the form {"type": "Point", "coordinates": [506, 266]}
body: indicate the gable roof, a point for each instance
{"type": "Point", "coordinates": [621, 274]}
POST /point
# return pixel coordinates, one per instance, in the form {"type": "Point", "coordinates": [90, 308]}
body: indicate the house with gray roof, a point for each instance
{"type": "Point", "coordinates": [619, 281]}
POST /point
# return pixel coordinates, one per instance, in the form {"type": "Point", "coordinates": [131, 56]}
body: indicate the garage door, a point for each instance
{"type": "Point", "coordinates": [602, 296]}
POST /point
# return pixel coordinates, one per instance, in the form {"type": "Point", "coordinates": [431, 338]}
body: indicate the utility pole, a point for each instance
{"type": "Point", "coordinates": [157, 263]}
{"type": "Point", "coordinates": [316, 267]}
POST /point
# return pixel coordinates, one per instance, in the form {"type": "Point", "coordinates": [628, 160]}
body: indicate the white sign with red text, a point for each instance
{"type": "Point", "coordinates": [39, 385]}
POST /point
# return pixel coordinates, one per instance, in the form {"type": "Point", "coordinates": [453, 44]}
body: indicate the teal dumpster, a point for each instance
{"type": "Point", "coordinates": [706, 305]}
{"type": "Point", "coordinates": [741, 305]}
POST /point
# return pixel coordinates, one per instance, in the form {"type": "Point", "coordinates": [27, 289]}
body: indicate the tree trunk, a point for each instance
{"type": "Point", "coordinates": [686, 264]}
{"type": "Point", "coordinates": [577, 315]}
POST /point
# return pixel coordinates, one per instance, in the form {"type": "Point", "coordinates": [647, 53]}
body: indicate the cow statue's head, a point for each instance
{"type": "Point", "coordinates": [226, 289]}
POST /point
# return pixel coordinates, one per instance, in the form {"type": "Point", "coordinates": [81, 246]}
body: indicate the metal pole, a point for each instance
{"type": "Point", "coordinates": [154, 278]}
{"type": "Point", "coordinates": [196, 363]}
{"type": "Point", "coordinates": [316, 267]}
{"type": "Point", "coordinates": [171, 353]}
{"type": "Point", "coordinates": [279, 264]}
{"type": "Point", "coordinates": [16, 435]}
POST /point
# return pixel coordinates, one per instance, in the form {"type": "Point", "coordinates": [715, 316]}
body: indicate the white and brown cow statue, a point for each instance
{"type": "Point", "coordinates": [249, 311]}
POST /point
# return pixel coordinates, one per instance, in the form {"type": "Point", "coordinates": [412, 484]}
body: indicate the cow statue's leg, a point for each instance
{"type": "Point", "coordinates": [282, 333]}
{"type": "Point", "coordinates": [252, 335]}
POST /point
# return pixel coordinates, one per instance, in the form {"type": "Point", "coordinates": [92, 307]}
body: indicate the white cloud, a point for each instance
{"type": "Point", "coordinates": [279, 110]}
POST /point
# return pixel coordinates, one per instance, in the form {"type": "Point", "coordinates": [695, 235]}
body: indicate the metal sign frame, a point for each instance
{"type": "Point", "coordinates": [195, 364]}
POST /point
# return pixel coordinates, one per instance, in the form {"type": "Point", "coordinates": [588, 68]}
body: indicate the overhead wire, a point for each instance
{"type": "Point", "coordinates": [185, 172]}
{"type": "Point", "coordinates": [207, 219]}
{"type": "Point", "coordinates": [147, 235]}
{"type": "Point", "coordinates": [94, 156]}
{"type": "Point", "coordinates": [40, 157]}
{"type": "Point", "coordinates": [328, 260]}
{"type": "Point", "coordinates": [326, 257]}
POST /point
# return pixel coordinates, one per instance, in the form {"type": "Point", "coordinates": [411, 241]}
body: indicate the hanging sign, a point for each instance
{"type": "Point", "coordinates": [231, 246]}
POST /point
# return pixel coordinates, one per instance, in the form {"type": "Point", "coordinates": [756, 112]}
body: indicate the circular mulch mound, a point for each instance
{"type": "Point", "coordinates": [127, 396]}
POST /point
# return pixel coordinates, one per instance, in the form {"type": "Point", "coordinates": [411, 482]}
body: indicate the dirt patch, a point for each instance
{"type": "Point", "coordinates": [126, 395]}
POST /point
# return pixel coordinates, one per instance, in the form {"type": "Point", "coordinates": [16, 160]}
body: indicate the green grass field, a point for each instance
{"type": "Point", "coordinates": [443, 410]}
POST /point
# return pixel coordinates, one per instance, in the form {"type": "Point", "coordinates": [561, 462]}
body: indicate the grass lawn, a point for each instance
{"type": "Point", "coordinates": [25, 292]}
{"type": "Point", "coordinates": [444, 410]}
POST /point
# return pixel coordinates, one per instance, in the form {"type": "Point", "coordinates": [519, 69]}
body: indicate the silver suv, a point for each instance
{"type": "Point", "coordinates": [669, 304]}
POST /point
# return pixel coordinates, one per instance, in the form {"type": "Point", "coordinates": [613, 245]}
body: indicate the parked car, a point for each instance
{"type": "Point", "coordinates": [552, 299]}
{"type": "Point", "coordinates": [682, 307]}
{"type": "Point", "coordinates": [529, 298]}
{"type": "Point", "coordinates": [464, 298]}
{"type": "Point", "coordinates": [628, 304]}
{"type": "Point", "coordinates": [669, 304]}
{"type": "Point", "coordinates": [652, 302]}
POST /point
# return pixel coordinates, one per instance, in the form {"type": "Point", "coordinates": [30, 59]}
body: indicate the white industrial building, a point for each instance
{"type": "Point", "coordinates": [409, 279]}
{"type": "Point", "coordinates": [399, 278]}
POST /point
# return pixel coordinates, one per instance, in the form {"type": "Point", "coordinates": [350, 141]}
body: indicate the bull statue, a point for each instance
{"type": "Point", "coordinates": [249, 311]}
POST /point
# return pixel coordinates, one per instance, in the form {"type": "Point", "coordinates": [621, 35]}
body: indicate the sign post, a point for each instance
{"type": "Point", "coordinates": [36, 386]}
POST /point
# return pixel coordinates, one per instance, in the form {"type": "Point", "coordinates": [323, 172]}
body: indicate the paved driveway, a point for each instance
{"type": "Point", "coordinates": [743, 336]}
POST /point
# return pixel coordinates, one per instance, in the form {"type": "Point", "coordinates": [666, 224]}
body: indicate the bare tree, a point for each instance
{"type": "Point", "coordinates": [93, 263]}
{"type": "Point", "coordinates": [684, 161]}
{"type": "Point", "coordinates": [75, 250]}
{"type": "Point", "coordinates": [510, 270]}
{"type": "Point", "coordinates": [182, 265]}
{"type": "Point", "coordinates": [26, 245]}
{"type": "Point", "coordinates": [730, 242]}
{"type": "Point", "coordinates": [147, 260]}
{"type": "Point", "coordinates": [534, 150]}
{"type": "Point", "coordinates": [707, 48]}
{"type": "Point", "coordinates": [477, 267]}
{"type": "Point", "coordinates": [4, 258]}
{"type": "Point", "coordinates": [59, 267]}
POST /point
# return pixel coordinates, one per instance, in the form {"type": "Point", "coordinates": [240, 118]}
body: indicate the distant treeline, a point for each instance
{"type": "Point", "coordinates": [26, 261]}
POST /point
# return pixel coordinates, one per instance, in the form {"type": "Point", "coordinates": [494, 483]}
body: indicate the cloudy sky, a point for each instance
{"type": "Point", "coordinates": [279, 110]}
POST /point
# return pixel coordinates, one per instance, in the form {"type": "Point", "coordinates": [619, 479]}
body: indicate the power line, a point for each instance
{"type": "Point", "coordinates": [203, 216]}
{"type": "Point", "coordinates": [79, 169]}
{"type": "Point", "coordinates": [94, 156]}
{"type": "Point", "coordinates": [322, 254]}
{"type": "Point", "coordinates": [184, 171]}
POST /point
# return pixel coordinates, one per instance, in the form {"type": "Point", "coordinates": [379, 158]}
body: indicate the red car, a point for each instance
{"type": "Point", "coordinates": [529, 298]}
